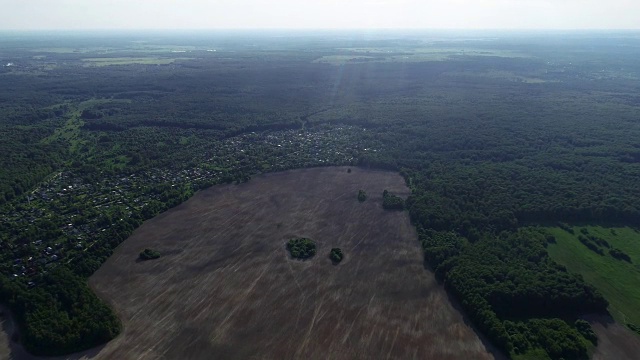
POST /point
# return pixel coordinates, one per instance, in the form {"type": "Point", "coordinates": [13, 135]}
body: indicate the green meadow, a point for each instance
{"type": "Point", "coordinates": [618, 280]}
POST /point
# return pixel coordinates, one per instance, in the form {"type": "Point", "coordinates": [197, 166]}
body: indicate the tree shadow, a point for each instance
{"type": "Point", "coordinates": [603, 319]}
{"type": "Point", "coordinates": [18, 352]}
{"type": "Point", "coordinates": [492, 349]}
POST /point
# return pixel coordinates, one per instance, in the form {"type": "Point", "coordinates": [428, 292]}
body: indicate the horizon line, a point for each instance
{"type": "Point", "coordinates": [294, 29]}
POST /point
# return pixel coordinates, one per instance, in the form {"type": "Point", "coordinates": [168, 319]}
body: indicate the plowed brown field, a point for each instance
{"type": "Point", "coordinates": [225, 287]}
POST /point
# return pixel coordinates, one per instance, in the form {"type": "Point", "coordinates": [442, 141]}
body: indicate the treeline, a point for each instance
{"type": "Point", "coordinates": [512, 290]}
{"type": "Point", "coordinates": [60, 316]}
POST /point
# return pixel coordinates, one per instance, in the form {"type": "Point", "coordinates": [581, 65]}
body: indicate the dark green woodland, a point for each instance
{"type": "Point", "coordinates": [496, 134]}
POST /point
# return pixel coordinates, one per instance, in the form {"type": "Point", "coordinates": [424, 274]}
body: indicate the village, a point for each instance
{"type": "Point", "coordinates": [67, 217]}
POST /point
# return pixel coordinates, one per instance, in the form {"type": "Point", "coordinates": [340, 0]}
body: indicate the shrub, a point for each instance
{"type": "Point", "coordinates": [599, 241]}
{"type": "Point", "coordinates": [590, 244]}
{"type": "Point", "coordinates": [619, 254]}
{"type": "Point", "coordinates": [362, 196]}
{"type": "Point", "coordinates": [336, 255]}
{"type": "Point", "coordinates": [148, 254]}
{"type": "Point", "coordinates": [634, 327]}
{"type": "Point", "coordinates": [566, 227]}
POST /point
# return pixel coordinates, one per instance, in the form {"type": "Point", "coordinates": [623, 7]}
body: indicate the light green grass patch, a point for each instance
{"type": "Point", "coordinates": [107, 61]}
{"type": "Point", "coordinates": [617, 280]}
{"type": "Point", "coordinates": [532, 354]}
{"type": "Point", "coordinates": [137, 47]}
{"type": "Point", "coordinates": [341, 59]}
{"type": "Point", "coordinates": [411, 54]}
{"type": "Point", "coordinates": [504, 75]}
{"type": "Point", "coordinates": [70, 131]}
{"type": "Point", "coordinates": [117, 163]}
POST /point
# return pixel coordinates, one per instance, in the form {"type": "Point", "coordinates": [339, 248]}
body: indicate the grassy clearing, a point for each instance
{"type": "Point", "coordinates": [106, 61]}
{"type": "Point", "coordinates": [134, 46]}
{"type": "Point", "coordinates": [70, 131]}
{"type": "Point", "coordinates": [411, 55]}
{"type": "Point", "coordinates": [617, 280]}
{"type": "Point", "coordinates": [504, 75]}
{"type": "Point", "coordinates": [66, 50]}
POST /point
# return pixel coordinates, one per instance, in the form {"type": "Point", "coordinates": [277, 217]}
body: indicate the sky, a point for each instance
{"type": "Point", "coordinates": [318, 14]}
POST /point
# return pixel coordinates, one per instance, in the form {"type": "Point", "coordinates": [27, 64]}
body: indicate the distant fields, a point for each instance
{"type": "Point", "coordinates": [106, 61]}
{"type": "Point", "coordinates": [411, 55]}
{"type": "Point", "coordinates": [618, 280]}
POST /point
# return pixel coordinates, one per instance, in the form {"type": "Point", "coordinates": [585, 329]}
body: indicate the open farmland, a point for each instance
{"type": "Point", "coordinates": [225, 286]}
{"type": "Point", "coordinates": [128, 61]}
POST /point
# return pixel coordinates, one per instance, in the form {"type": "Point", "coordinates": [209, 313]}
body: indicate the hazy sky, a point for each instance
{"type": "Point", "coordinates": [209, 14]}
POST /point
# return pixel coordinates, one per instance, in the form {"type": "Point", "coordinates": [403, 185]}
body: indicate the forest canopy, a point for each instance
{"type": "Point", "coordinates": [494, 139]}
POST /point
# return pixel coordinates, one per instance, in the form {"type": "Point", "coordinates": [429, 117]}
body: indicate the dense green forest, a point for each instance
{"type": "Point", "coordinates": [495, 134]}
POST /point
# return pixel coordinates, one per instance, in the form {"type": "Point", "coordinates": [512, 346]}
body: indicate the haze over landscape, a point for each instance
{"type": "Point", "coordinates": [326, 14]}
{"type": "Point", "coordinates": [319, 179]}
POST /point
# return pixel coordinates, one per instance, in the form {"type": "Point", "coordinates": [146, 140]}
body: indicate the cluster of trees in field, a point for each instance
{"type": "Point", "coordinates": [392, 202]}
{"type": "Point", "coordinates": [301, 248]}
{"type": "Point", "coordinates": [600, 246]}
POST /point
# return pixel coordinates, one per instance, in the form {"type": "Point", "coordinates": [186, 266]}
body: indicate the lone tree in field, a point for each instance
{"type": "Point", "coordinates": [301, 248]}
{"type": "Point", "coordinates": [392, 202]}
{"type": "Point", "coordinates": [362, 196]}
{"type": "Point", "coordinates": [148, 254]}
{"type": "Point", "coordinates": [336, 255]}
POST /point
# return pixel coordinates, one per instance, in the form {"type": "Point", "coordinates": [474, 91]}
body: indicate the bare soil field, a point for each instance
{"type": "Point", "coordinates": [226, 288]}
{"type": "Point", "coordinates": [614, 340]}
{"type": "Point", "coordinates": [6, 324]}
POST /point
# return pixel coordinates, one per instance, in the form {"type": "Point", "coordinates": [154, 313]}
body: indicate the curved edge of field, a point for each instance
{"type": "Point", "coordinates": [225, 286]}
{"type": "Point", "coordinates": [8, 347]}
